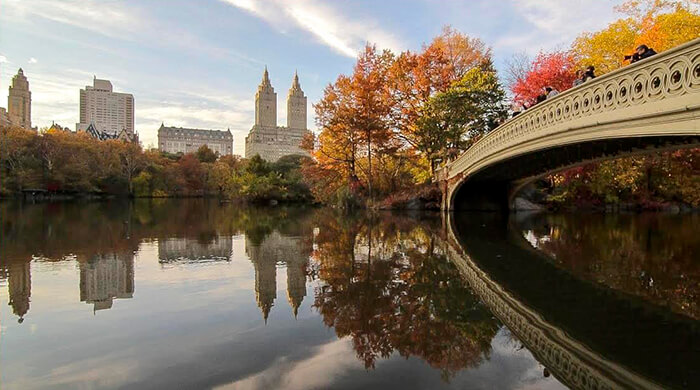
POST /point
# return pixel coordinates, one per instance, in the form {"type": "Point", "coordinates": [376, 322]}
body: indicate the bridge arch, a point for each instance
{"type": "Point", "coordinates": [649, 106]}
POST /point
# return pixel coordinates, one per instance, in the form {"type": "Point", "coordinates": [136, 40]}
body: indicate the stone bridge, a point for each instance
{"type": "Point", "coordinates": [648, 106]}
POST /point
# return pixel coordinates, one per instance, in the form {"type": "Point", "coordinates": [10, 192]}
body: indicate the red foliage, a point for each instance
{"type": "Point", "coordinates": [548, 69]}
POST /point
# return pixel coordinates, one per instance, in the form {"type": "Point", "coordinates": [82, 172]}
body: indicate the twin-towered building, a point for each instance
{"type": "Point", "coordinates": [266, 138]}
{"type": "Point", "coordinates": [106, 114]}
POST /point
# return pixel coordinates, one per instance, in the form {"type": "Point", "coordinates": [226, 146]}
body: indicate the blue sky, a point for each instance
{"type": "Point", "coordinates": [198, 63]}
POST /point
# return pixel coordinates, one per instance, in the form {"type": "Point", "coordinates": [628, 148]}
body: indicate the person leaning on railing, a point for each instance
{"type": "Point", "coordinates": [640, 53]}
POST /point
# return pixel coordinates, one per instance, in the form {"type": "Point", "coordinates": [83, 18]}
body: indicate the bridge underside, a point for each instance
{"type": "Point", "coordinates": [494, 188]}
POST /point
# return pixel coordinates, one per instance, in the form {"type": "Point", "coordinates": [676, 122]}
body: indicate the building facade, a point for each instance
{"type": "Point", "coordinates": [110, 112]}
{"type": "Point", "coordinates": [4, 118]}
{"type": "Point", "coordinates": [183, 140]}
{"type": "Point", "coordinates": [266, 138]}
{"type": "Point", "coordinates": [19, 101]}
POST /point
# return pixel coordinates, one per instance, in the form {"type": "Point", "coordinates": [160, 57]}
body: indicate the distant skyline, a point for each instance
{"type": "Point", "coordinates": [198, 64]}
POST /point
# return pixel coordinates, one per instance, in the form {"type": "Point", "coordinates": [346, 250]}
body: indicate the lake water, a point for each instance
{"type": "Point", "coordinates": [194, 294]}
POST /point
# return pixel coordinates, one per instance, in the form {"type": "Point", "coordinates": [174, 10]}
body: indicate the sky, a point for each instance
{"type": "Point", "coordinates": [198, 63]}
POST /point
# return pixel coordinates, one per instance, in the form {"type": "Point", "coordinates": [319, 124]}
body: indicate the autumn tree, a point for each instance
{"type": "Point", "coordinates": [556, 70]}
{"type": "Point", "coordinates": [371, 107]}
{"type": "Point", "coordinates": [18, 163]}
{"type": "Point", "coordinates": [658, 24]}
{"type": "Point", "coordinates": [415, 78]}
{"type": "Point", "coordinates": [469, 108]}
{"type": "Point", "coordinates": [205, 154]}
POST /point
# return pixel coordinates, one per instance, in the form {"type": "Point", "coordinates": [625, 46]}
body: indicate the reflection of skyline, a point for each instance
{"type": "Point", "coordinates": [278, 249]}
{"type": "Point", "coordinates": [19, 285]}
{"type": "Point", "coordinates": [192, 250]}
{"type": "Point", "coordinates": [106, 277]}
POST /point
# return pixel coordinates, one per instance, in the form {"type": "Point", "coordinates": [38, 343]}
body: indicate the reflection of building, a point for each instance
{"type": "Point", "coordinates": [191, 250]}
{"type": "Point", "coordinates": [110, 112]}
{"type": "Point", "coordinates": [19, 284]}
{"type": "Point", "coordinates": [278, 249]}
{"type": "Point", "coordinates": [266, 138]}
{"type": "Point", "coordinates": [19, 101]}
{"type": "Point", "coordinates": [105, 277]}
{"type": "Point", "coordinates": [181, 140]}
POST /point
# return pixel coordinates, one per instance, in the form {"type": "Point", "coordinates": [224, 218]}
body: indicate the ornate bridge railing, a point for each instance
{"type": "Point", "coordinates": [665, 84]}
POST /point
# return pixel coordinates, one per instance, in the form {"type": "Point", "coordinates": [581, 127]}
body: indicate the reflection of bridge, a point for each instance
{"type": "Point", "coordinates": [651, 105]}
{"type": "Point", "coordinates": [566, 349]}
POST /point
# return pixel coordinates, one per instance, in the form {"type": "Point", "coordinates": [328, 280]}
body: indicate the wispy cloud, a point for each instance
{"type": "Point", "coordinates": [3, 59]}
{"type": "Point", "coordinates": [32, 60]}
{"type": "Point", "coordinates": [345, 36]}
{"type": "Point", "coordinates": [555, 22]}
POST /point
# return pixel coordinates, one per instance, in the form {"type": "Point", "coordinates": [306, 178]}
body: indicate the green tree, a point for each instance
{"type": "Point", "coordinates": [452, 119]}
{"type": "Point", "coordinates": [205, 155]}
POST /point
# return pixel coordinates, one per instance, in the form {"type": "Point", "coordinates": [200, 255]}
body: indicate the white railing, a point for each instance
{"type": "Point", "coordinates": [673, 73]}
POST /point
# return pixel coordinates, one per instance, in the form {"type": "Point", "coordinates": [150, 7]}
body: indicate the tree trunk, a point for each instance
{"type": "Point", "coordinates": [369, 164]}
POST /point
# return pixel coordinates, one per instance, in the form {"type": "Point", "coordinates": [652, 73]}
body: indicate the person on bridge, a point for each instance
{"type": "Point", "coordinates": [579, 78]}
{"type": "Point", "coordinates": [642, 52]}
{"type": "Point", "coordinates": [589, 74]}
{"type": "Point", "coordinates": [551, 92]}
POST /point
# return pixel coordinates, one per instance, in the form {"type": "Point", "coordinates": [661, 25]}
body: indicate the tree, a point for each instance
{"type": "Point", "coordinates": [416, 78]}
{"type": "Point", "coordinates": [17, 159]}
{"type": "Point", "coordinates": [205, 155]}
{"type": "Point", "coordinates": [656, 23]}
{"type": "Point", "coordinates": [469, 108]}
{"type": "Point", "coordinates": [371, 107]}
{"type": "Point", "coordinates": [130, 159]}
{"type": "Point", "coordinates": [556, 70]}
{"type": "Point", "coordinates": [463, 53]}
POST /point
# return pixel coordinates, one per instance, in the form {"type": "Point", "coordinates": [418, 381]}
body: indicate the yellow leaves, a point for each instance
{"type": "Point", "coordinates": [605, 49]}
{"type": "Point", "coordinates": [646, 25]}
{"type": "Point", "coordinates": [670, 30]}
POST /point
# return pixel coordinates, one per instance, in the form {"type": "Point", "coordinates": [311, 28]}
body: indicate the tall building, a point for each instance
{"type": "Point", "coordinates": [108, 111]}
{"type": "Point", "coordinates": [183, 140]}
{"type": "Point", "coordinates": [19, 101]}
{"type": "Point", "coordinates": [266, 138]}
{"type": "Point", "coordinates": [4, 119]}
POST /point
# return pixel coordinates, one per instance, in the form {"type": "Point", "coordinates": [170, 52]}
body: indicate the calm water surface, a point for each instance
{"type": "Point", "coordinates": [193, 294]}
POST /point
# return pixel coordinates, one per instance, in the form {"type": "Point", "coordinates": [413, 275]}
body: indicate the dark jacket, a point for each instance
{"type": "Point", "coordinates": [647, 54]}
{"type": "Point", "coordinates": [638, 57]}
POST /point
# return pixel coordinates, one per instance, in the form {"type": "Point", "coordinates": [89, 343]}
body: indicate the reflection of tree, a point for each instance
{"type": "Point", "coordinates": [390, 289]}
{"type": "Point", "coordinates": [53, 231]}
{"type": "Point", "coordinates": [648, 255]}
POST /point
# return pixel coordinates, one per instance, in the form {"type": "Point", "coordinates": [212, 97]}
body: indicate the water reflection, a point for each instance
{"type": "Point", "coordinates": [19, 285]}
{"type": "Point", "coordinates": [589, 335]}
{"type": "Point", "coordinates": [653, 256]}
{"type": "Point", "coordinates": [275, 249]}
{"type": "Point", "coordinates": [415, 302]}
{"type": "Point", "coordinates": [387, 284]}
{"type": "Point", "coordinates": [206, 248]}
{"type": "Point", "coordinates": [104, 278]}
